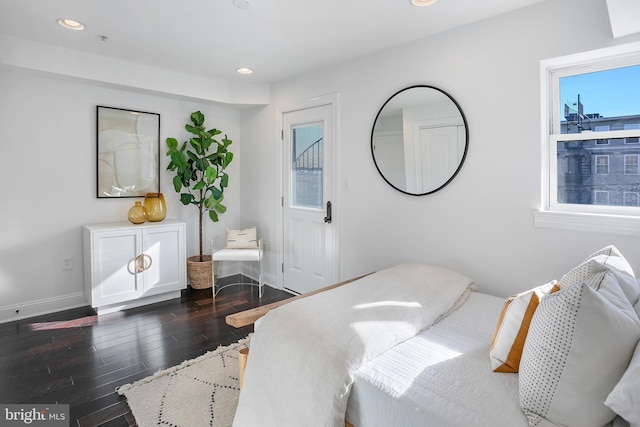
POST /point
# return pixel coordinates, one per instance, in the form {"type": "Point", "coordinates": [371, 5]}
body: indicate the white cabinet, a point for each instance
{"type": "Point", "coordinates": [127, 265]}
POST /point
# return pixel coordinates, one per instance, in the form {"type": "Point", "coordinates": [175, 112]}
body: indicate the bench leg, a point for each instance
{"type": "Point", "coordinates": [243, 355]}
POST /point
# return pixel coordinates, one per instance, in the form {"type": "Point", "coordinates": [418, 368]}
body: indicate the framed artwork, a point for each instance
{"type": "Point", "coordinates": [128, 152]}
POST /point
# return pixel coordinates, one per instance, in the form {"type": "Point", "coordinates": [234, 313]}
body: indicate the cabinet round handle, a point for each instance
{"type": "Point", "coordinates": [141, 265]}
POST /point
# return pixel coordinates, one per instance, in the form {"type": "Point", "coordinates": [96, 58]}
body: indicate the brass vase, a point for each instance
{"type": "Point", "coordinates": [137, 214]}
{"type": "Point", "coordinates": [156, 208]}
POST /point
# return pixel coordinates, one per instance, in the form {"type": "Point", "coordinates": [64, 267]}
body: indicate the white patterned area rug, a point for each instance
{"type": "Point", "coordinates": [198, 392]}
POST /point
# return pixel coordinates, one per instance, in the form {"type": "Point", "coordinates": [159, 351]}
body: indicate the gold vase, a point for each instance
{"type": "Point", "coordinates": [156, 208]}
{"type": "Point", "coordinates": [137, 214]}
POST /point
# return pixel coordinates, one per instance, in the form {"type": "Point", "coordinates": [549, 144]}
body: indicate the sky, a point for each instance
{"type": "Point", "coordinates": [611, 92]}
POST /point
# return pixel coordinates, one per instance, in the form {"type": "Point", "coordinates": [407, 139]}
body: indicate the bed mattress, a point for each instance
{"type": "Point", "coordinates": [441, 377]}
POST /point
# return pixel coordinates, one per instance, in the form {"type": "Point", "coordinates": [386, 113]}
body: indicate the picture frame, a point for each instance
{"type": "Point", "coordinates": [128, 147]}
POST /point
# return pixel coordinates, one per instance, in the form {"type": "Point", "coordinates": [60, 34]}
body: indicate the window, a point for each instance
{"type": "Point", "coordinates": [591, 158]}
{"type": "Point", "coordinates": [602, 165]}
{"type": "Point", "coordinates": [631, 199]}
{"type": "Point", "coordinates": [632, 126]}
{"type": "Point", "coordinates": [307, 165]}
{"type": "Point", "coordinates": [602, 128]}
{"type": "Point", "coordinates": [631, 165]}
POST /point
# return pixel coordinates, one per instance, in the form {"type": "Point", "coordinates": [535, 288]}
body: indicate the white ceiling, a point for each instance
{"type": "Point", "coordinates": [277, 38]}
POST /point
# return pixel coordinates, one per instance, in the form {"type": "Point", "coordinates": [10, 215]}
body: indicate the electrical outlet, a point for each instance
{"type": "Point", "coordinates": [67, 263]}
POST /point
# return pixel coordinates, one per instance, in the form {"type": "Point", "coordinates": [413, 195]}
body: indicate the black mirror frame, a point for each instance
{"type": "Point", "coordinates": [466, 145]}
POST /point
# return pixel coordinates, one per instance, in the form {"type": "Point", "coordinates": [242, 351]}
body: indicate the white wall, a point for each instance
{"type": "Point", "coordinates": [48, 176]}
{"type": "Point", "coordinates": [481, 224]}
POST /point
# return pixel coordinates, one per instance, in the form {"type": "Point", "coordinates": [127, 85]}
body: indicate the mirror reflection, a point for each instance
{"type": "Point", "coordinates": [419, 140]}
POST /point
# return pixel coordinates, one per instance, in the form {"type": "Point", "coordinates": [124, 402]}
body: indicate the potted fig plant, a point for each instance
{"type": "Point", "coordinates": [199, 165]}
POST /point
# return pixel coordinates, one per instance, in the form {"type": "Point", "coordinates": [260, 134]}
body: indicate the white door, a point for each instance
{"type": "Point", "coordinates": [438, 156]}
{"type": "Point", "coordinates": [164, 254]}
{"type": "Point", "coordinates": [390, 157]}
{"type": "Point", "coordinates": [309, 256]}
{"type": "Point", "coordinates": [114, 265]}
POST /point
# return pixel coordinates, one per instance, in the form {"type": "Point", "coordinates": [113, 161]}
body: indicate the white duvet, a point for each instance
{"type": "Point", "coordinates": [304, 354]}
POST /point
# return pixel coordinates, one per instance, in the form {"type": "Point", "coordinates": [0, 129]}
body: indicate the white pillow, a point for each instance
{"type": "Point", "coordinates": [608, 285]}
{"type": "Point", "coordinates": [579, 345]}
{"type": "Point", "coordinates": [242, 239]}
{"type": "Point", "coordinates": [608, 258]}
{"type": "Point", "coordinates": [625, 397]}
{"type": "Point", "coordinates": [513, 325]}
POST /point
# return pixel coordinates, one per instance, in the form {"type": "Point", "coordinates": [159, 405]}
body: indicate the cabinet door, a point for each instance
{"type": "Point", "coordinates": [164, 248]}
{"type": "Point", "coordinates": [114, 257]}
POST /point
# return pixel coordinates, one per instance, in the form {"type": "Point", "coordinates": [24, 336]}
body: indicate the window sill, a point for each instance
{"type": "Point", "coordinates": [597, 223]}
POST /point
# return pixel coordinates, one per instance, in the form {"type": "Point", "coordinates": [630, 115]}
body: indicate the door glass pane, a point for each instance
{"type": "Point", "coordinates": [307, 165]}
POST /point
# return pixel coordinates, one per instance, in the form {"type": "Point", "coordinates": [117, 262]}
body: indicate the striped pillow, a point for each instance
{"type": "Point", "coordinates": [513, 326]}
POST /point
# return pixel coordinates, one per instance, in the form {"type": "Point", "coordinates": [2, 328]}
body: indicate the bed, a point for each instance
{"type": "Point", "coordinates": [443, 373]}
{"type": "Point", "coordinates": [441, 377]}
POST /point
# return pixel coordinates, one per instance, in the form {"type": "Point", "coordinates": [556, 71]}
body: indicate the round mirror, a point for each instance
{"type": "Point", "coordinates": [419, 140]}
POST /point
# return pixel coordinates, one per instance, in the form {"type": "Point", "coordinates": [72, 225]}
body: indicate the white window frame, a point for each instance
{"type": "Point", "coordinates": [597, 164]}
{"type": "Point", "coordinates": [623, 220]}
{"type": "Point", "coordinates": [629, 126]}
{"type": "Point", "coordinates": [602, 128]}
{"type": "Point", "coordinates": [636, 163]}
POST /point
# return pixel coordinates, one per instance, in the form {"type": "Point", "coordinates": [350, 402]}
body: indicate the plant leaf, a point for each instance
{"type": "Point", "coordinates": [210, 174]}
{"type": "Point", "coordinates": [213, 215]}
{"type": "Point", "coordinates": [178, 159]}
{"type": "Point", "coordinates": [192, 129]}
{"type": "Point", "coordinates": [197, 118]}
{"type": "Point", "coordinates": [228, 158]}
{"type": "Point", "coordinates": [186, 198]}
{"type": "Point", "coordinates": [202, 164]}
{"type": "Point", "coordinates": [195, 143]}
{"type": "Point", "coordinates": [172, 143]}
{"type": "Point", "coordinates": [177, 183]}
{"type": "Point", "coordinates": [216, 193]}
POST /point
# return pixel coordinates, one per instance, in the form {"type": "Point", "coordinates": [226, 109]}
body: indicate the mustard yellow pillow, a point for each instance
{"type": "Point", "coordinates": [513, 326]}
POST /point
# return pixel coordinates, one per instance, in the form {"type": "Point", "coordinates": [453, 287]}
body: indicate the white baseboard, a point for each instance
{"type": "Point", "coordinates": [112, 308]}
{"type": "Point", "coordinates": [10, 313]}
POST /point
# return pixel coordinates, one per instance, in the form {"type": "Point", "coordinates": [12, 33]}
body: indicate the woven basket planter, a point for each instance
{"type": "Point", "coordinates": [200, 272]}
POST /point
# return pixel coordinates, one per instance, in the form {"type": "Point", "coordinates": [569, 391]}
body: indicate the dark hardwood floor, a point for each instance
{"type": "Point", "coordinates": [77, 358]}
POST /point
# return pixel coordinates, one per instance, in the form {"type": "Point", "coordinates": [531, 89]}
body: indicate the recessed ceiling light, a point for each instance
{"type": "Point", "coordinates": [423, 2]}
{"type": "Point", "coordinates": [244, 70]}
{"type": "Point", "coordinates": [71, 24]}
